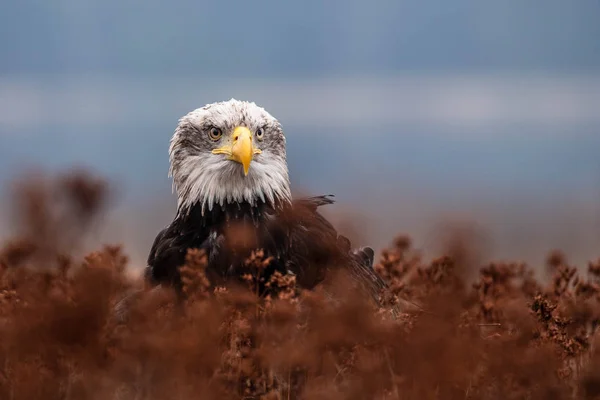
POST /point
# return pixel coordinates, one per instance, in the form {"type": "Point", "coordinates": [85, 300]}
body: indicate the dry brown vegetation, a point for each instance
{"type": "Point", "coordinates": [503, 334]}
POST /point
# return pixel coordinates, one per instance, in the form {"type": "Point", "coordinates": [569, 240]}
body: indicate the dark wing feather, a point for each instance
{"type": "Point", "coordinates": [365, 256]}
{"type": "Point", "coordinates": [312, 203]}
{"type": "Point", "coordinates": [156, 245]}
{"type": "Point", "coordinates": [169, 250]}
{"type": "Point", "coordinates": [316, 247]}
{"type": "Point", "coordinates": [158, 265]}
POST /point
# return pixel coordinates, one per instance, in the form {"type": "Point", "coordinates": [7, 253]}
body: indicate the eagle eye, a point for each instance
{"type": "Point", "coordinates": [215, 133]}
{"type": "Point", "coordinates": [260, 132]}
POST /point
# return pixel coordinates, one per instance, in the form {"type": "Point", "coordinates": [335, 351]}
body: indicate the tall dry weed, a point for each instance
{"type": "Point", "coordinates": [505, 335]}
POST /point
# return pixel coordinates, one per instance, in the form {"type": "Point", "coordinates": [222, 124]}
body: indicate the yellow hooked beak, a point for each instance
{"type": "Point", "coordinates": [240, 148]}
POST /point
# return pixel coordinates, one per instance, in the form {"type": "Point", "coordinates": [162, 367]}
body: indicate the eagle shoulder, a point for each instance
{"type": "Point", "coordinates": [168, 252]}
{"type": "Point", "coordinates": [316, 246]}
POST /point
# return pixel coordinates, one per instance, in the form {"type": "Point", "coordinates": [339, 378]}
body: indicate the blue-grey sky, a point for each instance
{"type": "Point", "coordinates": [407, 110]}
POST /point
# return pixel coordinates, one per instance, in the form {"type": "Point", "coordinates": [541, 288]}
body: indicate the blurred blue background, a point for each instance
{"type": "Point", "coordinates": [413, 113]}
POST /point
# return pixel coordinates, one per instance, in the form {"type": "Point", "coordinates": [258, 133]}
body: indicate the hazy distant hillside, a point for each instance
{"type": "Point", "coordinates": [268, 38]}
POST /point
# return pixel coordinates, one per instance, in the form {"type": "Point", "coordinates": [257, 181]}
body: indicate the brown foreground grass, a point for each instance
{"type": "Point", "coordinates": [469, 331]}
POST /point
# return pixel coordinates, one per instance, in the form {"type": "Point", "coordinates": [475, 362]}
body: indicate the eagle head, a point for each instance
{"type": "Point", "coordinates": [228, 152]}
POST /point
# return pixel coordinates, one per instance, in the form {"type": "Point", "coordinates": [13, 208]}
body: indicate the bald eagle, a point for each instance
{"type": "Point", "coordinates": [229, 169]}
